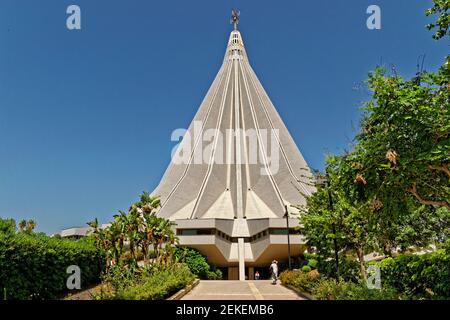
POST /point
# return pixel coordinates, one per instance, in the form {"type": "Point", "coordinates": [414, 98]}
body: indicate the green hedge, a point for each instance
{"type": "Point", "coordinates": [419, 276]}
{"type": "Point", "coordinates": [33, 266]}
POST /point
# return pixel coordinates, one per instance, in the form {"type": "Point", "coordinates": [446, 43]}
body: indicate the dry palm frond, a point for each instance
{"type": "Point", "coordinates": [391, 155]}
{"type": "Point", "coordinates": [360, 179]}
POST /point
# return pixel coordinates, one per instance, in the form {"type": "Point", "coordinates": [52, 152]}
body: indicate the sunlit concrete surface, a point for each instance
{"type": "Point", "coordinates": [240, 290]}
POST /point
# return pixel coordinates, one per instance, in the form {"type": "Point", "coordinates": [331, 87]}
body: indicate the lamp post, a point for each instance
{"type": "Point", "coordinates": [325, 181]}
{"type": "Point", "coordinates": [286, 214]}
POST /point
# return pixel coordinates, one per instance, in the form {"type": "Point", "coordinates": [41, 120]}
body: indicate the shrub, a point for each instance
{"type": "Point", "coordinates": [361, 292]}
{"type": "Point", "coordinates": [418, 276]}
{"type": "Point", "coordinates": [312, 263]}
{"type": "Point", "coordinates": [120, 276]}
{"type": "Point", "coordinates": [331, 289]}
{"type": "Point", "coordinates": [301, 280]}
{"type": "Point", "coordinates": [214, 275]}
{"type": "Point", "coordinates": [127, 258]}
{"type": "Point", "coordinates": [305, 259]}
{"type": "Point", "coordinates": [197, 263]}
{"type": "Point", "coordinates": [7, 226]}
{"type": "Point", "coordinates": [323, 288]}
{"type": "Point", "coordinates": [306, 268]}
{"type": "Point", "coordinates": [151, 285]}
{"type": "Point", "coordinates": [348, 268]}
{"type": "Point", "coordinates": [34, 265]}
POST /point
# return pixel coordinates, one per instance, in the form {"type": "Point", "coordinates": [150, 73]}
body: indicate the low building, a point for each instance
{"type": "Point", "coordinates": [77, 232]}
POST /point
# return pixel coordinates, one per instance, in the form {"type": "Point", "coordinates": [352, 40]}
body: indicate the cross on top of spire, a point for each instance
{"type": "Point", "coordinates": [235, 13]}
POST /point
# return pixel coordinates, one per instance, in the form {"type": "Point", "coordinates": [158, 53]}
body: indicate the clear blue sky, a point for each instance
{"type": "Point", "coordinates": [86, 116]}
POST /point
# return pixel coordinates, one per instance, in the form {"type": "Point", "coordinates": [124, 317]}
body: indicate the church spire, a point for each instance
{"type": "Point", "coordinates": [235, 13]}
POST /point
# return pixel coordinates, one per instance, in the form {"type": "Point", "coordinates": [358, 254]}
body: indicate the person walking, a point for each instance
{"type": "Point", "coordinates": [257, 275]}
{"type": "Point", "coordinates": [274, 271]}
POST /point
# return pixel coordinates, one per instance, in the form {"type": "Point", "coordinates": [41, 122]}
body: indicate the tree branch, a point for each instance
{"type": "Point", "coordinates": [415, 193]}
{"type": "Point", "coordinates": [443, 168]}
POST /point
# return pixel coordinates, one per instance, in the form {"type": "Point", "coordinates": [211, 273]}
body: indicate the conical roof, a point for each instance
{"type": "Point", "coordinates": [238, 158]}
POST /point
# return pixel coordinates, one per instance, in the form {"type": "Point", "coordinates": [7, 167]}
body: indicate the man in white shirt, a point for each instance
{"type": "Point", "coordinates": [274, 271]}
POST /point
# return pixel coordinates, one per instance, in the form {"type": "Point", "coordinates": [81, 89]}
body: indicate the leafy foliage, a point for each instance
{"type": "Point", "coordinates": [34, 265]}
{"type": "Point", "coordinates": [304, 281]}
{"type": "Point", "coordinates": [441, 8]}
{"type": "Point", "coordinates": [350, 221]}
{"type": "Point", "coordinates": [403, 149]}
{"type": "Point", "coordinates": [151, 284]}
{"type": "Point", "coordinates": [324, 288]}
{"type": "Point", "coordinates": [392, 190]}
{"type": "Point", "coordinates": [7, 226]}
{"type": "Point", "coordinates": [419, 276]}
{"type": "Point", "coordinates": [140, 249]}
{"type": "Point", "coordinates": [146, 234]}
{"type": "Point", "coordinates": [197, 263]}
{"type": "Point", "coordinates": [349, 268]}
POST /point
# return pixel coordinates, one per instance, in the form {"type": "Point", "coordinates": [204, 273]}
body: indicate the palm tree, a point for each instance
{"type": "Point", "coordinates": [31, 224]}
{"type": "Point", "coordinates": [147, 234]}
{"type": "Point", "coordinates": [141, 228]}
{"type": "Point", "coordinates": [149, 203]}
{"type": "Point", "coordinates": [103, 239]}
{"type": "Point", "coordinates": [116, 238]}
{"type": "Point", "coordinates": [94, 225]}
{"type": "Point", "coordinates": [22, 225]}
{"type": "Point", "coordinates": [170, 239]}
{"type": "Point", "coordinates": [134, 224]}
{"type": "Point", "coordinates": [119, 231]}
{"type": "Point", "coordinates": [129, 226]}
{"type": "Point", "coordinates": [164, 235]}
{"type": "Point", "coordinates": [141, 222]}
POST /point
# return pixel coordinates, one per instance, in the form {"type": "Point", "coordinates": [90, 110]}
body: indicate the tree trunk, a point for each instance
{"type": "Point", "coordinates": [145, 252]}
{"type": "Point", "coordinates": [133, 256]}
{"type": "Point", "coordinates": [117, 256]}
{"type": "Point", "coordinates": [362, 266]}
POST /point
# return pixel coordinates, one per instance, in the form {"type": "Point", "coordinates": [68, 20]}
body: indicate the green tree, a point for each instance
{"type": "Point", "coordinates": [7, 226]}
{"type": "Point", "coordinates": [350, 222]}
{"type": "Point", "coordinates": [440, 8]}
{"type": "Point", "coordinates": [141, 229]}
{"type": "Point", "coordinates": [94, 225]}
{"type": "Point", "coordinates": [147, 206]}
{"type": "Point", "coordinates": [196, 262]}
{"type": "Point", "coordinates": [392, 190]}
{"type": "Point", "coordinates": [404, 144]}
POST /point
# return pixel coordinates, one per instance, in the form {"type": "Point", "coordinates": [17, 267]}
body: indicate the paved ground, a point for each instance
{"type": "Point", "coordinates": [240, 290]}
{"type": "Point", "coordinates": [85, 294]}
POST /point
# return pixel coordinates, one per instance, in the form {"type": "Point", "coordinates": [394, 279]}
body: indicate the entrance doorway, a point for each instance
{"type": "Point", "coordinates": [233, 273]}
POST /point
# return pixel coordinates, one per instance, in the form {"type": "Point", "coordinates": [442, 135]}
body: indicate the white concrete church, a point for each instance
{"type": "Point", "coordinates": [234, 211]}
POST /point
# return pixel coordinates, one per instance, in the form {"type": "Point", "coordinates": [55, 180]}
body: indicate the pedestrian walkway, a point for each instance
{"type": "Point", "coordinates": [240, 290]}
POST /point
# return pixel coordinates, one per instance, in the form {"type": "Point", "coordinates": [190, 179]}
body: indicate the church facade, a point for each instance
{"type": "Point", "coordinates": [232, 183]}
